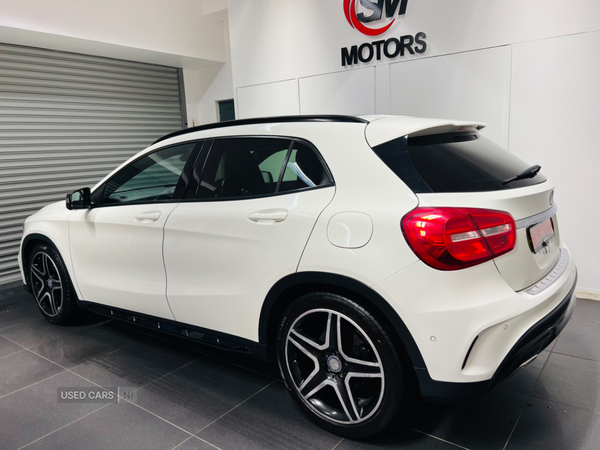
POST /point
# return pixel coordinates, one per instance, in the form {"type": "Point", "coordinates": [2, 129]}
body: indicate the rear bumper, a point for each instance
{"type": "Point", "coordinates": [531, 343]}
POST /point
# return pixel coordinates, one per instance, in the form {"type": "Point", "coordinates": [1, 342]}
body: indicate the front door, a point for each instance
{"type": "Point", "coordinates": [116, 246]}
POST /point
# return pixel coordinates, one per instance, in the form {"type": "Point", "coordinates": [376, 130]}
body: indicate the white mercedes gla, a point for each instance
{"type": "Point", "coordinates": [369, 256]}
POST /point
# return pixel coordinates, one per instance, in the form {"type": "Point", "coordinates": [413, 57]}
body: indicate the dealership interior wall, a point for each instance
{"type": "Point", "coordinates": [528, 68]}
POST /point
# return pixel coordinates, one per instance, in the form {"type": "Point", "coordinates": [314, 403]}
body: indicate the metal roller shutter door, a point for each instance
{"type": "Point", "coordinates": [66, 120]}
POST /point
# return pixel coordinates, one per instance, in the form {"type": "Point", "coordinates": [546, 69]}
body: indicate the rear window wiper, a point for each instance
{"type": "Point", "coordinates": [527, 173]}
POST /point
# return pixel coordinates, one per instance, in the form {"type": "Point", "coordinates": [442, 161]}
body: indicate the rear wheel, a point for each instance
{"type": "Point", "coordinates": [51, 285]}
{"type": "Point", "coordinates": [340, 365]}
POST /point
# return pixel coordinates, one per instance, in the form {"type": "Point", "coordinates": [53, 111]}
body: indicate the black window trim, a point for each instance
{"type": "Point", "coordinates": [98, 194]}
{"type": "Point", "coordinates": [292, 140]}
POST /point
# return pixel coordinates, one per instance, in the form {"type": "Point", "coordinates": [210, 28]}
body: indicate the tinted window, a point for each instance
{"type": "Point", "coordinates": [456, 162]}
{"type": "Point", "coordinates": [244, 167]}
{"type": "Point", "coordinates": [303, 170]}
{"type": "Point", "coordinates": [151, 178]}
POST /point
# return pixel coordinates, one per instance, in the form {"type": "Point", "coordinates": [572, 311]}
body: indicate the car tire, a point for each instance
{"type": "Point", "coordinates": [351, 382]}
{"type": "Point", "coordinates": [51, 285]}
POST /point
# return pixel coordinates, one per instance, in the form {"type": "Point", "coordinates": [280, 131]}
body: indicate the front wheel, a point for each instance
{"type": "Point", "coordinates": [340, 365]}
{"type": "Point", "coordinates": [51, 285]}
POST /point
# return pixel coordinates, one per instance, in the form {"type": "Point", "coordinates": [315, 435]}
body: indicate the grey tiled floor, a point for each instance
{"type": "Point", "coordinates": [194, 397]}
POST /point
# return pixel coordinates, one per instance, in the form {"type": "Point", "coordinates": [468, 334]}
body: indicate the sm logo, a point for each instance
{"type": "Point", "coordinates": [373, 11]}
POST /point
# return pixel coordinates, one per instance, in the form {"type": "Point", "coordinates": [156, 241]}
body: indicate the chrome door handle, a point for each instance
{"type": "Point", "coordinates": [269, 216]}
{"type": "Point", "coordinates": [147, 217]}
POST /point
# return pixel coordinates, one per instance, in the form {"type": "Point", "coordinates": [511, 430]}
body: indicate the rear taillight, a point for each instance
{"type": "Point", "coordinates": [455, 238]}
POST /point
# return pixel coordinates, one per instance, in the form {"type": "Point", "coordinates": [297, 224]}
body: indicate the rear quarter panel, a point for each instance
{"type": "Point", "coordinates": [364, 184]}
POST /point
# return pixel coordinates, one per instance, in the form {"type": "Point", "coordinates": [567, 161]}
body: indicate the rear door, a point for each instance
{"type": "Point", "coordinates": [246, 227]}
{"type": "Point", "coordinates": [464, 169]}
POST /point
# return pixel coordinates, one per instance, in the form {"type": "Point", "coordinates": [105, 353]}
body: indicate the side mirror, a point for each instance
{"type": "Point", "coordinates": [79, 199]}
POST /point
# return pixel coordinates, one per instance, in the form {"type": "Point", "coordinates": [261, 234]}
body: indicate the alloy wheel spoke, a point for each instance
{"type": "Point", "coordinates": [345, 397]}
{"type": "Point", "coordinates": [313, 384]}
{"type": "Point", "coordinates": [351, 375]}
{"type": "Point", "coordinates": [333, 331]}
{"type": "Point", "coordinates": [42, 287]}
{"type": "Point", "coordinates": [45, 264]}
{"type": "Point", "coordinates": [52, 301]}
{"type": "Point", "coordinates": [47, 297]}
{"type": "Point", "coordinates": [349, 359]}
{"type": "Point", "coordinates": [308, 346]}
{"type": "Point", "coordinates": [309, 351]}
{"type": "Point", "coordinates": [37, 272]}
{"type": "Point", "coordinates": [361, 369]}
{"type": "Point", "coordinates": [316, 387]}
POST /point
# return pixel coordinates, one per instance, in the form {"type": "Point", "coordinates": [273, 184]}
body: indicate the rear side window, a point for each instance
{"type": "Point", "coordinates": [303, 170]}
{"type": "Point", "coordinates": [251, 167]}
{"type": "Point", "coordinates": [454, 162]}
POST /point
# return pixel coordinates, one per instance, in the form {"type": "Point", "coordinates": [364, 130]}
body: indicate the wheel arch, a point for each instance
{"type": "Point", "coordinates": [292, 286]}
{"type": "Point", "coordinates": [29, 242]}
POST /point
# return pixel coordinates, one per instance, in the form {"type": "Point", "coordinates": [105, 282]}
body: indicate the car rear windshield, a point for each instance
{"type": "Point", "coordinates": [454, 162]}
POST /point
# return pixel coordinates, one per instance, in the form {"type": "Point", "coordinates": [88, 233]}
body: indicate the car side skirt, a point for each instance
{"type": "Point", "coordinates": [189, 332]}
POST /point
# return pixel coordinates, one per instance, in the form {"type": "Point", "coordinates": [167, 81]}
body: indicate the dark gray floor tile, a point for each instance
{"type": "Point", "coordinates": [587, 311]}
{"type": "Point", "coordinates": [16, 309]}
{"type": "Point", "coordinates": [572, 381]}
{"type": "Point", "coordinates": [579, 339]}
{"type": "Point", "coordinates": [38, 331]}
{"type": "Point", "coordinates": [270, 420]}
{"type": "Point", "coordinates": [523, 381]}
{"type": "Point", "coordinates": [7, 347]}
{"type": "Point", "coordinates": [485, 423]}
{"type": "Point", "coordinates": [551, 346]}
{"type": "Point", "coordinates": [256, 365]}
{"type": "Point", "coordinates": [398, 438]}
{"type": "Point", "coordinates": [33, 412]}
{"type": "Point", "coordinates": [135, 365]}
{"type": "Point", "coordinates": [73, 349]}
{"type": "Point", "coordinates": [194, 443]}
{"type": "Point", "coordinates": [22, 369]}
{"type": "Point", "coordinates": [552, 426]}
{"type": "Point", "coordinates": [117, 426]}
{"type": "Point", "coordinates": [12, 293]}
{"type": "Point", "coordinates": [199, 393]}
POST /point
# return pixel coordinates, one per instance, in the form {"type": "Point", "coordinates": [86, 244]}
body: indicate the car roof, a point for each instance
{"type": "Point", "coordinates": [264, 120]}
{"type": "Point", "coordinates": [379, 128]}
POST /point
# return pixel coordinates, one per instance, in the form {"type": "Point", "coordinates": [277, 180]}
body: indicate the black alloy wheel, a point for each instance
{"type": "Point", "coordinates": [340, 365]}
{"type": "Point", "coordinates": [51, 285]}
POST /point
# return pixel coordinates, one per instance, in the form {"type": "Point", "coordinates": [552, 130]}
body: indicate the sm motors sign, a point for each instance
{"type": "Point", "coordinates": [374, 18]}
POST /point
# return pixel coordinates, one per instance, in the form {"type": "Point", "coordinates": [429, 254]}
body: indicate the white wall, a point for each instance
{"type": "Point", "coordinates": [271, 99]}
{"type": "Point", "coordinates": [528, 68]}
{"type": "Point", "coordinates": [351, 92]}
{"type": "Point", "coordinates": [206, 86]}
{"type": "Point", "coordinates": [169, 32]}
{"type": "Point", "coordinates": [555, 112]}
{"type": "Point", "coordinates": [472, 85]}
{"type": "Point", "coordinates": [273, 40]}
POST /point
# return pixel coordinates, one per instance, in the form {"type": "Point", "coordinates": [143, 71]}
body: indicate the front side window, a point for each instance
{"type": "Point", "coordinates": [249, 167]}
{"type": "Point", "coordinates": [153, 177]}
